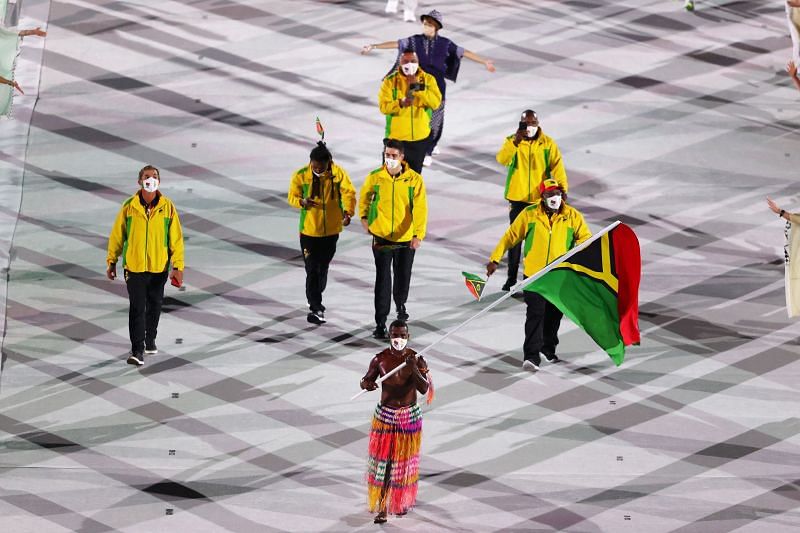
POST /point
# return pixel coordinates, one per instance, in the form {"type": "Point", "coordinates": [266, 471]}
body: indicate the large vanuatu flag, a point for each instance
{"type": "Point", "coordinates": [598, 289]}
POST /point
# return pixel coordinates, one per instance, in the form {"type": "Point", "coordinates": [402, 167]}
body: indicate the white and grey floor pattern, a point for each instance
{"type": "Point", "coordinates": [679, 124]}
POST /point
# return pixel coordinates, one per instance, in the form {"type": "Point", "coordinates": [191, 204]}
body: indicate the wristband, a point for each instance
{"type": "Point", "coordinates": [780, 215]}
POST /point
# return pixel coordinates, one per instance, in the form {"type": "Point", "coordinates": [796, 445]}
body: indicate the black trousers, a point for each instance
{"type": "Point", "coordinates": [146, 294]}
{"type": "Point", "coordinates": [415, 152]}
{"type": "Point", "coordinates": [391, 257]}
{"type": "Point", "coordinates": [542, 320]}
{"type": "Point", "coordinates": [317, 255]}
{"type": "Point", "coordinates": [515, 253]}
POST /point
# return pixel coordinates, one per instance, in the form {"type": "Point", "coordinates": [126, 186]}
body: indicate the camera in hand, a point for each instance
{"type": "Point", "coordinates": [416, 86]}
{"type": "Point", "coordinates": [523, 126]}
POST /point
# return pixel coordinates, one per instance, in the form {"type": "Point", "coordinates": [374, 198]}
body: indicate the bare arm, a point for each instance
{"type": "Point", "coordinates": [11, 83]}
{"type": "Point", "coordinates": [791, 68]}
{"type": "Point", "coordinates": [419, 372]}
{"type": "Point", "coordinates": [388, 45]}
{"type": "Point", "coordinates": [373, 372]}
{"type": "Point", "coordinates": [36, 31]}
{"type": "Point", "coordinates": [478, 59]}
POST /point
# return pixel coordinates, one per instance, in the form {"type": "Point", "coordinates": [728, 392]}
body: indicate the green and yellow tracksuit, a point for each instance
{"type": "Point", "coordinates": [336, 196]}
{"type": "Point", "coordinates": [412, 123]}
{"type": "Point", "coordinates": [546, 238]}
{"type": "Point", "coordinates": [396, 208]}
{"type": "Point", "coordinates": [530, 163]}
{"type": "Point", "coordinates": [146, 243]}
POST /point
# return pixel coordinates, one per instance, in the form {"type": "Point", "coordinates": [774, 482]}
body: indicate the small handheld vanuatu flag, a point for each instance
{"type": "Point", "coordinates": [475, 284]}
{"type": "Point", "coordinates": [320, 130]}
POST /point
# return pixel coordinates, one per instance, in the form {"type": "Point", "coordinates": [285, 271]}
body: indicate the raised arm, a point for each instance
{"type": "Point", "coordinates": [37, 31]}
{"type": "Point", "coordinates": [388, 45]}
{"type": "Point", "coordinates": [478, 59]}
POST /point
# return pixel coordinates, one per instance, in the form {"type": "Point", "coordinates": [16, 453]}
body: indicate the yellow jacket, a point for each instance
{"type": "Point", "coordinates": [396, 208]}
{"type": "Point", "coordinates": [545, 239]}
{"type": "Point", "coordinates": [529, 164]}
{"type": "Point", "coordinates": [337, 196]}
{"type": "Point", "coordinates": [146, 243]}
{"type": "Point", "coordinates": [412, 123]}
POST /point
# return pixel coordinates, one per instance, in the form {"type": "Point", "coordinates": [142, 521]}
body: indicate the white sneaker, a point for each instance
{"type": "Point", "coordinates": [530, 366]}
{"type": "Point", "coordinates": [427, 161]}
{"type": "Point", "coordinates": [436, 151]}
{"type": "Point", "coordinates": [408, 16]}
{"type": "Point", "coordinates": [391, 6]}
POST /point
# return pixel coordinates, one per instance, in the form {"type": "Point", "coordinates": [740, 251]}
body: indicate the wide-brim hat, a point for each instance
{"type": "Point", "coordinates": [434, 16]}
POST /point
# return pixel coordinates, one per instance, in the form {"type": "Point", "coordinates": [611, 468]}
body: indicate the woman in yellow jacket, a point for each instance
{"type": "Point", "coordinates": [394, 209]}
{"type": "Point", "coordinates": [147, 235]}
{"type": "Point", "coordinates": [326, 199]}
{"type": "Point", "coordinates": [550, 228]}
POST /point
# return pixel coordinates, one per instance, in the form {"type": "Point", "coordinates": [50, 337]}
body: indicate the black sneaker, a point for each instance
{"type": "Point", "coordinates": [380, 332]}
{"type": "Point", "coordinates": [150, 348]}
{"type": "Point", "coordinates": [402, 314]}
{"type": "Point", "coordinates": [135, 358]}
{"type": "Point", "coordinates": [508, 284]}
{"type": "Point", "coordinates": [316, 317]}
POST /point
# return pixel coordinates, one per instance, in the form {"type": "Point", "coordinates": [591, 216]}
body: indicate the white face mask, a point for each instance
{"type": "Point", "coordinates": [150, 184]}
{"type": "Point", "coordinates": [392, 164]}
{"type": "Point", "coordinates": [554, 202]}
{"type": "Point", "coordinates": [398, 343]}
{"type": "Point", "coordinates": [409, 69]}
{"type": "Point", "coordinates": [532, 130]}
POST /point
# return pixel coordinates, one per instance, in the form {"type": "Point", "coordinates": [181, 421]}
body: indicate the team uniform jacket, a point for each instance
{"type": "Point", "coordinates": [396, 208]}
{"type": "Point", "coordinates": [530, 163]}
{"type": "Point", "coordinates": [545, 239]}
{"type": "Point", "coordinates": [146, 243]}
{"type": "Point", "coordinates": [412, 123]}
{"type": "Point", "coordinates": [337, 196]}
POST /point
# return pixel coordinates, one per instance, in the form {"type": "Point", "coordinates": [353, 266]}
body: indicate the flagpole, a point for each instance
{"type": "Point", "coordinates": [503, 298]}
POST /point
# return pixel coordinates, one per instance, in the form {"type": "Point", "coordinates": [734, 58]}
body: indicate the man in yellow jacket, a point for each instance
{"type": "Point", "coordinates": [326, 199]}
{"type": "Point", "coordinates": [531, 157]}
{"type": "Point", "coordinates": [147, 235]}
{"type": "Point", "coordinates": [550, 228]}
{"type": "Point", "coordinates": [394, 210]}
{"type": "Point", "coordinates": [408, 97]}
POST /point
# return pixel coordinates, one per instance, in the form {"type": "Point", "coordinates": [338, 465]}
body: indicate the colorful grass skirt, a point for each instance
{"type": "Point", "coordinates": [393, 466]}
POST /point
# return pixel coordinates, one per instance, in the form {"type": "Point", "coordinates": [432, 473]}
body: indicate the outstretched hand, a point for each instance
{"type": "Point", "coordinates": [491, 267]}
{"type": "Point", "coordinates": [490, 65]}
{"type": "Point", "coordinates": [367, 48]}
{"type": "Point", "coordinates": [772, 205]}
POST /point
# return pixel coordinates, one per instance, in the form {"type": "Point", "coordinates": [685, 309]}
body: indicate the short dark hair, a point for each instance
{"type": "Point", "coordinates": [398, 324]}
{"type": "Point", "coordinates": [149, 167]}
{"type": "Point", "coordinates": [321, 153]}
{"type": "Point", "coordinates": [394, 143]}
{"type": "Point", "coordinates": [408, 50]}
